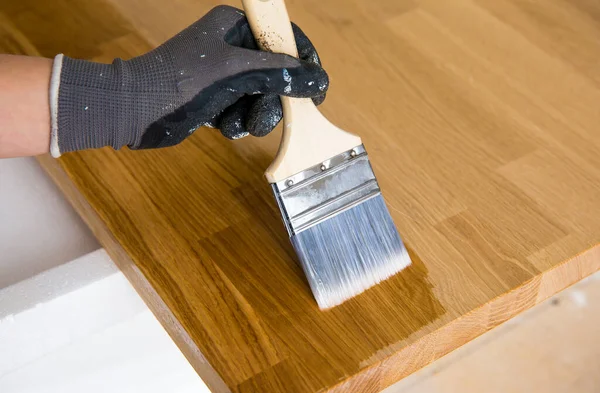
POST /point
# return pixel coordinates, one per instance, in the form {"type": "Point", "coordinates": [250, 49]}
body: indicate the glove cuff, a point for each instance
{"type": "Point", "coordinates": [54, 85]}
{"type": "Point", "coordinates": [87, 103]}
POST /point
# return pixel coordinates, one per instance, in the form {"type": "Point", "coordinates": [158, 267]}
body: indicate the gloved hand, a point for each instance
{"type": "Point", "coordinates": [210, 74]}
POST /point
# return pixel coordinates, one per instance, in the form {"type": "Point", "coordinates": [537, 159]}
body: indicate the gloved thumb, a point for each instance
{"type": "Point", "coordinates": [273, 73]}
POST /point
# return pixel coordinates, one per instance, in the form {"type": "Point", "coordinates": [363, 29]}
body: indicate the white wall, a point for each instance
{"type": "Point", "coordinates": [38, 228]}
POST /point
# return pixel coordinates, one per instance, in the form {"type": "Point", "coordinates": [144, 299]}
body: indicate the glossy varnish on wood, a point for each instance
{"type": "Point", "coordinates": [481, 121]}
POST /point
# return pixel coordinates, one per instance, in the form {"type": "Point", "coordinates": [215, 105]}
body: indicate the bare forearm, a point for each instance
{"type": "Point", "coordinates": [24, 109]}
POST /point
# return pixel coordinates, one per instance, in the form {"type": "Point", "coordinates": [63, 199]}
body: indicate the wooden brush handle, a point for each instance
{"type": "Point", "coordinates": [308, 137]}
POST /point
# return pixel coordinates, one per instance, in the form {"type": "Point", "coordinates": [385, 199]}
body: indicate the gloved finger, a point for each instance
{"type": "Point", "coordinates": [264, 113]}
{"type": "Point", "coordinates": [257, 115]}
{"type": "Point", "coordinates": [308, 53]}
{"type": "Point", "coordinates": [256, 72]}
{"type": "Point", "coordinates": [232, 122]}
{"type": "Point", "coordinates": [306, 50]}
{"type": "Point", "coordinates": [242, 36]}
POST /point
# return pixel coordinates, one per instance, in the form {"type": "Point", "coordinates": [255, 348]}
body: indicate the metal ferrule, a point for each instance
{"type": "Point", "coordinates": [324, 190]}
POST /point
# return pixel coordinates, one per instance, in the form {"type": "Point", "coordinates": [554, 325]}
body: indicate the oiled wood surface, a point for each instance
{"type": "Point", "coordinates": [481, 118]}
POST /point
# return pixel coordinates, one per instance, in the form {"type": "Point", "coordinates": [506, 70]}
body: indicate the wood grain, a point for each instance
{"type": "Point", "coordinates": [481, 120]}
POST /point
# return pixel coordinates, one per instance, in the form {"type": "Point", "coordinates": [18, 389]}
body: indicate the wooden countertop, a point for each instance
{"type": "Point", "coordinates": [481, 119]}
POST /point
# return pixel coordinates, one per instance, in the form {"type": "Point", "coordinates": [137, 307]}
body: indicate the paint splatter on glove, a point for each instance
{"type": "Point", "coordinates": [210, 74]}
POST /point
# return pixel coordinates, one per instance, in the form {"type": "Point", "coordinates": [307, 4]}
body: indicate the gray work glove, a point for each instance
{"type": "Point", "coordinates": [210, 74]}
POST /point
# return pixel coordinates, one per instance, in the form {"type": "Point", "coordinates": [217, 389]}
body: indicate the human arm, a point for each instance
{"type": "Point", "coordinates": [24, 108]}
{"type": "Point", "coordinates": [210, 74]}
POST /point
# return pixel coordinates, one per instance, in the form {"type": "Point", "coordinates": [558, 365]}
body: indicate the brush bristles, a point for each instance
{"type": "Point", "coordinates": [344, 255]}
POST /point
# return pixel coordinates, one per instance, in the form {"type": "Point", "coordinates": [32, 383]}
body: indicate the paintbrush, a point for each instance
{"type": "Point", "coordinates": [325, 187]}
